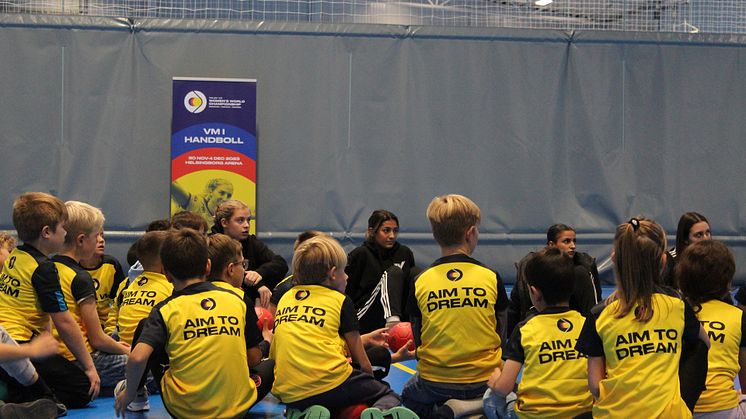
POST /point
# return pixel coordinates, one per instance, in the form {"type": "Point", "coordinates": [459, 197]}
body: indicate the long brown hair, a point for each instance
{"type": "Point", "coordinates": [639, 245]}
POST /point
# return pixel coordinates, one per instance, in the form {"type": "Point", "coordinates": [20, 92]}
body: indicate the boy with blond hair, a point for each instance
{"type": "Point", "coordinates": [454, 307]}
{"type": "Point", "coordinates": [313, 323]}
{"type": "Point", "coordinates": [108, 276]}
{"type": "Point", "coordinates": [31, 295]}
{"type": "Point", "coordinates": [84, 226]}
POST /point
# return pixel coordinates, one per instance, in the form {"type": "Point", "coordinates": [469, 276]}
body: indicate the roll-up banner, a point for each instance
{"type": "Point", "coordinates": [213, 144]}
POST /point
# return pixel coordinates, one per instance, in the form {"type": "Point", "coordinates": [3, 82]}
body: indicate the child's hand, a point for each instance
{"type": "Point", "coordinates": [267, 333]}
{"type": "Point", "coordinates": [123, 400]}
{"type": "Point", "coordinates": [377, 337]}
{"type": "Point", "coordinates": [251, 278]}
{"type": "Point", "coordinates": [404, 354]}
{"type": "Point", "coordinates": [42, 346]}
{"type": "Point", "coordinates": [265, 294]}
{"type": "Point", "coordinates": [492, 382]}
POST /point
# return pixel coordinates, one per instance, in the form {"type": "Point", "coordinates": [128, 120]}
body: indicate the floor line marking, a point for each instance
{"type": "Point", "coordinates": [405, 368]}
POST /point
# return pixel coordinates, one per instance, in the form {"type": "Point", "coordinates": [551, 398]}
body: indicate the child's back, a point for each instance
{"type": "Point", "coordinates": [307, 347]}
{"type": "Point", "coordinates": [642, 357]}
{"type": "Point", "coordinates": [23, 311]}
{"type": "Point", "coordinates": [555, 376]}
{"type": "Point", "coordinates": [150, 288]}
{"type": "Point", "coordinates": [208, 375]}
{"type": "Point", "coordinates": [724, 324]}
{"type": "Point", "coordinates": [704, 272]}
{"type": "Point", "coordinates": [138, 299]}
{"type": "Point", "coordinates": [457, 299]}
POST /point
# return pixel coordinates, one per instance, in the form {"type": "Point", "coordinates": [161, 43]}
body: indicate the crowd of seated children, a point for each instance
{"type": "Point", "coordinates": [202, 332]}
{"type": "Point", "coordinates": [319, 362]}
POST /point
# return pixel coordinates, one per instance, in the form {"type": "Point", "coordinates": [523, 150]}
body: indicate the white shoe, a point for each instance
{"type": "Point", "coordinates": [140, 403]}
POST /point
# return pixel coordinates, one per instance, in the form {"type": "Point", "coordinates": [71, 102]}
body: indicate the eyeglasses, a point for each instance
{"type": "Point", "coordinates": [244, 263]}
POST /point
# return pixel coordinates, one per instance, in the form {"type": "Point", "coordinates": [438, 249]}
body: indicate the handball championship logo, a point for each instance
{"type": "Point", "coordinates": [302, 295]}
{"type": "Point", "coordinates": [454, 275]}
{"type": "Point", "coordinates": [195, 101]}
{"type": "Point", "coordinates": [207, 304]}
{"type": "Point", "coordinates": [564, 325]}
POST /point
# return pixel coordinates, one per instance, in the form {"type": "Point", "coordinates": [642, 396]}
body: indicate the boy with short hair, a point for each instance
{"type": "Point", "coordinates": [555, 376]}
{"type": "Point", "coordinates": [150, 288]}
{"type": "Point", "coordinates": [227, 271]}
{"type": "Point", "coordinates": [454, 308]}
{"type": "Point", "coordinates": [313, 323]}
{"type": "Point", "coordinates": [32, 295]}
{"type": "Point", "coordinates": [108, 275]}
{"type": "Point", "coordinates": [84, 224]}
{"type": "Point", "coordinates": [204, 330]}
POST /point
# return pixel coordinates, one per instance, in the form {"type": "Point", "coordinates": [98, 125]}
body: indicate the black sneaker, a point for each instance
{"type": "Point", "coordinates": [38, 409]}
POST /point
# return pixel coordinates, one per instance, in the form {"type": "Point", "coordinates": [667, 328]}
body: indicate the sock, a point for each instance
{"type": "Point", "coordinates": [465, 407]}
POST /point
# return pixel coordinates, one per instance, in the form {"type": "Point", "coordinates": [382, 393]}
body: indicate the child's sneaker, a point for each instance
{"type": "Point", "coordinates": [141, 402]}
{"type": "Point", "coordinates": [398, 412]}
{"type": "Point", "coordinates": [38, 409]}
{"type": "Point", "coordinates": [313, 412]}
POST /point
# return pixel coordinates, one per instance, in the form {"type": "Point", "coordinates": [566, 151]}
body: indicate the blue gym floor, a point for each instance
{"type": "Point", "coordinates": [103, 407]}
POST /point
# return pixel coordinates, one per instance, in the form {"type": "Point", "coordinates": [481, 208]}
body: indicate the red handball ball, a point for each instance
{"type": "Point", "coordinates": [262, 314]}
{"type": "Point", "coordinates": [399, 334]}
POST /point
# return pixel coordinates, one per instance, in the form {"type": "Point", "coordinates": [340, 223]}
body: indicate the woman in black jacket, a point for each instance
{"type": "Point", "coordinates": [378, 273]}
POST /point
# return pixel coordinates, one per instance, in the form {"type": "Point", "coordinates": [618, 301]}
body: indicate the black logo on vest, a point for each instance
{"type": "Point", "coordinates": [208, 304]}
{"type": "Point", "coordinates": [564, 325]}
{"type": "Point", "coordinates": [302, 295]}
{"type": "Point", "coordinates": [454, 275]}
{"type": "Point", "coordinates": [142, 281]}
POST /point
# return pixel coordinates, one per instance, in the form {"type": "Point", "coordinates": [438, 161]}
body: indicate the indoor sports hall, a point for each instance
{"type": "Point", "coordinates": [585, 113]}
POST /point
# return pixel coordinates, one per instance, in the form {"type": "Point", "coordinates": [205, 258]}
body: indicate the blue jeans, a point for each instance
{"type": "Point", "coordinates": [497, 407]}
{"type": "Point", "coordinates": [424, 397]}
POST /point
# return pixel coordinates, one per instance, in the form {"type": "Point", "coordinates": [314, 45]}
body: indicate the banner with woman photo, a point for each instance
{"type": "Point", "coordinates": [213, 144]}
